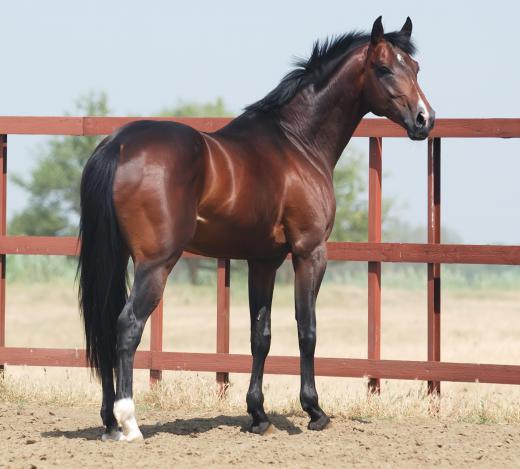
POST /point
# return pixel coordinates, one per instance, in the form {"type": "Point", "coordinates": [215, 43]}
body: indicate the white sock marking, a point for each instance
{"type": "Point", "coordinates": [124, 412]}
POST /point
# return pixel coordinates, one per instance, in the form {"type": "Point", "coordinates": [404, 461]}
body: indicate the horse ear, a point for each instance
{"type": "Point", "coordinates": [407, 27]}
{"type": "Point", "coordinates": [377, 31]}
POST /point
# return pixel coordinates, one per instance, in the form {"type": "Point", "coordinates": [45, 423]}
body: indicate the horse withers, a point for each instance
{"type": "Point", "coordinates": [257, 189]}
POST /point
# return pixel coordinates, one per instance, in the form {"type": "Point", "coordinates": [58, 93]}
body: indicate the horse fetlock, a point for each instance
{"type": "Point", "coordinates": [124, 411]}
{"type": "Point", "coordinates": [255, 401]}
{"type": "Point", "coordinates": [309, 400]}
{"type": "Point", "coordinates": [107, 416]}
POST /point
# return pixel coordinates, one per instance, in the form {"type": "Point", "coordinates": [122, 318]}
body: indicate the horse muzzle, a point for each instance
{"type": "Point", "coordinates": [419, 128]}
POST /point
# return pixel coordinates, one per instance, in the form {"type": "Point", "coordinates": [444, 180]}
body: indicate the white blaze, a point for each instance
{"type": "Point", "coordinates": [421, 107]}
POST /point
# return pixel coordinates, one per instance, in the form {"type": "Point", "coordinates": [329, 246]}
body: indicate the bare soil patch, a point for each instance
{"type": "Point", "coordinates": [33, 436]}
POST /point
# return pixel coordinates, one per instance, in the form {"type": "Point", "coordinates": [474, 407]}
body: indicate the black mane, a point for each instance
{"type": "Point", "coordinates": [322, 62]}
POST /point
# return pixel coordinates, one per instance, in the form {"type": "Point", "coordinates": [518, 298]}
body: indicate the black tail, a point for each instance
{"type": "Point", "coordinates": [103, 259]}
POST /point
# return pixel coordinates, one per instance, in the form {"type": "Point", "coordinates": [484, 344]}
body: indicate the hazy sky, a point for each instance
{"type": "Point", "coordinates": [147, 55]}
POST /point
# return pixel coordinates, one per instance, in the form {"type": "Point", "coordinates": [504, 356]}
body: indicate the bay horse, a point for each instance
{"type": "Point", "coordinates": [257, 189]}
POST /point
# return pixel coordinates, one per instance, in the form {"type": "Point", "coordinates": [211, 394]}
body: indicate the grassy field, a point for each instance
{"type": "Point", "coordinates": [478, 326]}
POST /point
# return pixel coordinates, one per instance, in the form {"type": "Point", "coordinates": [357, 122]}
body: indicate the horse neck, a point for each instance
{"type": "Point", "coordinates": [321, 122]}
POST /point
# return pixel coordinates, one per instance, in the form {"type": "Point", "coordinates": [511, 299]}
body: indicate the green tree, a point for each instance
{"type": "Point", "coordinates": [350, 188]}
{"type": "Point", "coordinates": [53, 185]}
{"type": "Point", "coordinates": [350, 183]}
{"type": "Point", "coordinates": [196, 109]}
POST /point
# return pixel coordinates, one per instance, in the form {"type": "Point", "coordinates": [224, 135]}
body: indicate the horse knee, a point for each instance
{"type": "Point", "coordinates": [307, 341]}
{"type": "Point", "coordinates": [260, 344]}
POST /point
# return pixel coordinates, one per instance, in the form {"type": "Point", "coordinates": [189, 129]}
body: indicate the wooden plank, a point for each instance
{"type": "Point", "coordinates": [3, 229]}
{"type": "Point", "coordinates": [59, 357]}
{"type": "Point", "coordinates": [106, 125]}
{"type": "Point", "coordinates": [223, 304]}
{"type": "Point", "coordinates": [41, 125]}
{"type": "Point", "coordinates": [363, 252]}
{"type": "Point", "coordinates": [47, 245]}
{"type": "Point", "coordinates": [423, 253]}
{"type": "Point", "coordinates": [434, 270]}
{"type": "Point", "coordinates": [39, 245]}
{"type": "Point", "coordinates": [156, 339]}
{"type": "Point", "coordinates": [345, 367]}
{"type": "Point", "coordinates": [374, 268]}
{"type": "Point", "coordinates": [452, 128]}
{"type": "Point", "coordinates": [460, 128]}
{"type": "Point", "coordinates": [236, 363]}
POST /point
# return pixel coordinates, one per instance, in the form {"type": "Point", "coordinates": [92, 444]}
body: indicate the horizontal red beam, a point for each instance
{"type": "Point", "coordinates": [463, 128]}
{"type": "Point", "coordinates": [235, 363]}
{"type": "Point", "coordinates": [365, 252]}
{"type": "Point", "coordinates": [425, 253]}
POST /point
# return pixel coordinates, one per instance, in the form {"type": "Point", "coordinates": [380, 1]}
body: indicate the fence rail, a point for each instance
{"type": "Point", "coordinates": [373, 252]}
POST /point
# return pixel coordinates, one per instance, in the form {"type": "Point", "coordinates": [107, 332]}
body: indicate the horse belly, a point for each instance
{"type": "Point", "coordinates": [232, 241]}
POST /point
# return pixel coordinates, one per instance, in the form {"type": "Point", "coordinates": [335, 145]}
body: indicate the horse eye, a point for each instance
{"type": "Point", "coordinates": [383, 70]}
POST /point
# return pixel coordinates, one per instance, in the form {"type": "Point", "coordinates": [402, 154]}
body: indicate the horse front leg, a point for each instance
{"type": "Point", "coordinates": [309, 268]}
{"type": "Point", "coordinates": [261, 284]}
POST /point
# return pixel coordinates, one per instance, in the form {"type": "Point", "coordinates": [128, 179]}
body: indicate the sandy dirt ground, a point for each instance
{"type": "Point", "coordinates": [35, 437]}
{"type": "Point", "coordinates": [479, 425]}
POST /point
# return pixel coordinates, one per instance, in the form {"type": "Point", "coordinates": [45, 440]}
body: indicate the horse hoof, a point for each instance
{"type": "Point", "coordinates": [263, 428]}
{"type": "Point", "coordinates": [133, 436]}
{"type": "Point", "coordinates": [113, 435]}
{"type": "Point", "coordinates": [321, 424]}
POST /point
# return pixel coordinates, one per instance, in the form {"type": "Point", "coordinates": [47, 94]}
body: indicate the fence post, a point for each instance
{"type": "Point", "coordinates": [156, 340]}
{"type": "Point", "coordinates": [223, 276]}
{"type": "Point", "coordinates": [3, 231]}
{"type": "Point", "coordinates": [374, 268]}
{"type": "Point", "coordinates": [434, 270]}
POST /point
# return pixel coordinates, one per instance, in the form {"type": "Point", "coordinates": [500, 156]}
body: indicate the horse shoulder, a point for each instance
{"type": "Point", "coordinates": [309, 211]}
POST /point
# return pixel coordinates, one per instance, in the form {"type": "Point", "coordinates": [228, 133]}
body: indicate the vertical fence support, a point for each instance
{"type": "Point", "coordinates": [156, 340]}
{"type": "Point", "coordinates": [223, 276]}
{"type": "Point", "coordinates": [434, 270]}
{"type": "Point", "coordinates": [374, 268]}
{"type": "Point", "coordinates": [3, 231]}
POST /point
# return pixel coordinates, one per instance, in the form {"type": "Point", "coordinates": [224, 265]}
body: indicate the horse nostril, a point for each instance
{"type": "Point", "coordinates": [420, 120]}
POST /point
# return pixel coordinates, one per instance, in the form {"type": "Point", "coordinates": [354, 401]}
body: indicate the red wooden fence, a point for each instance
{"type": "Point", "coordinates": [374, 252]}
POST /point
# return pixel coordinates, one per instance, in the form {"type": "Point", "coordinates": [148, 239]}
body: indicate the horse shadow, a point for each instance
{"type": "Point", "coordinates": [187, 427]}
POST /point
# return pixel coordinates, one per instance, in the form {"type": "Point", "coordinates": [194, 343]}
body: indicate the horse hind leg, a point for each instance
{"type": "Point", "coordinates": [147, 290]}
{"type": "Point", "coordinates": [157, 214]}
{"type": "Point", "coordinates": [112, 431]}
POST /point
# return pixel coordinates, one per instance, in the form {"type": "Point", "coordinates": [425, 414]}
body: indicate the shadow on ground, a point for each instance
{"type": "Point", "coordinates": [182, 427]}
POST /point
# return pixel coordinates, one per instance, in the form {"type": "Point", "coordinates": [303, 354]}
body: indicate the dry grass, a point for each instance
{"type": "Point", "coordinates": [195, 394]}
{"type": "Point", "coordinates": [477, 327]}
